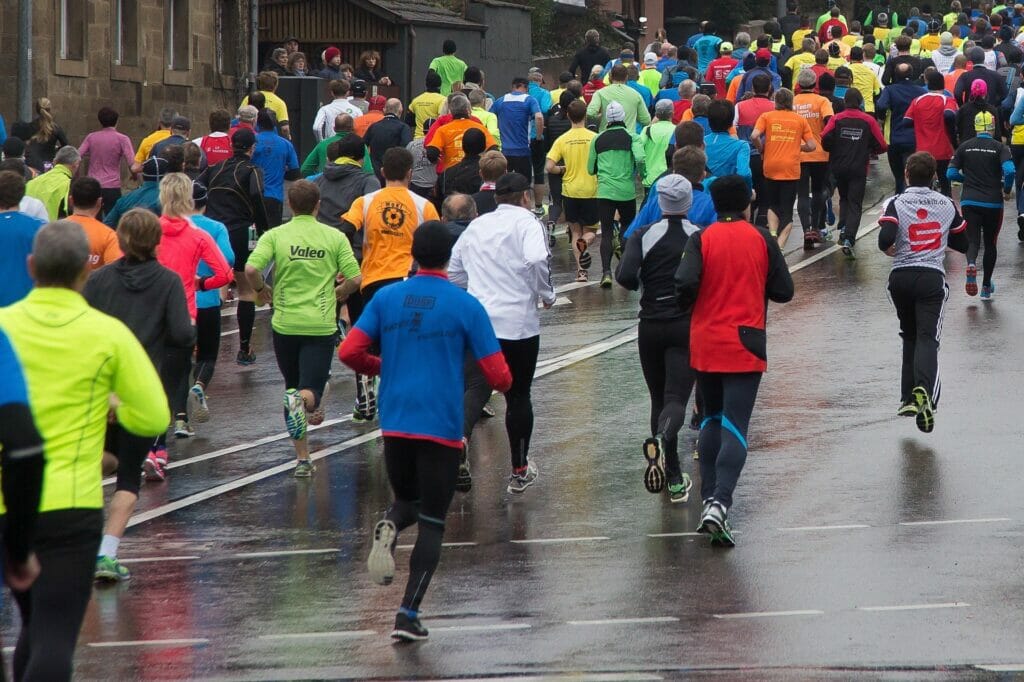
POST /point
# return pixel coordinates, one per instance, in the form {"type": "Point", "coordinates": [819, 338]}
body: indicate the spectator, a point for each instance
{"type": "Point", "coordinates": [589, 56]}
{"type": "Point", "coordinates": [332, 65]}
{"type": "Point", "coordinates": [369, 69]}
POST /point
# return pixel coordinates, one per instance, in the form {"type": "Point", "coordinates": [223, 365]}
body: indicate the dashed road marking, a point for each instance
{"type": "Point", "coordinates": [555, 541]}
{"type": "Point", "coordinates": [849, 526]}
{"type": "Point", "coordinates": [769, 614]}
{"type": "Point", "coordinates": [625, 621]}
{"type": "Point", "coordinates": [916, 607]}
{"type": "Point", "coordinates": [284, 552]}
{"type": "Point", "coordinates": [340, 634]}
{"type": "Point", "coordinates": [154, 559]}
{"type": "Point", "coordinates": [481, 628]}
{"type": "Point", "coordinates": [950, 522]}
{"type": "Point", "coordinates": [150, 642]}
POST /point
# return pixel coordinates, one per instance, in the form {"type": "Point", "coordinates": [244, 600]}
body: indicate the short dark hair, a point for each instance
{"type": "Point", "coordinates": [85, 192]}
{"type": "Point", "coordinates": [576, 111]}
{"type": "Point", "coordinates": [730, 194]}
{"type": "Point", "coordinates": [351, 147]}
{"type": "Point", "coordinates": [920, 169]}
{"type": "Point", "coordinates": [220, 121]}
{"type": "Point", "coordinates": [721, 113]}
{"type": "Point", "coordinates": [689, 133]}
{"type": "Point", "coordinates": [303, 196]}
{"type": "Point", "coordinates": [339, 88]}
{"type": "Point", "coordinates": [264, 121]}
{"type": "Point", "coordinates": [12, 189]}
{"type": "Point", "coordinates": [935, 80]}
{"type": "Point", "coordinates": [433, 80]}
{"type": "Point", "coordinates": [107, 116]}
{"type": "Point", "coordinates": [618, 73]}
{"type": "Point", "coordinates": [174, 155]}
{"type": "Point", "coordinates": [448, 47]}
{"type": "Point", "coordinates": [853, 99]}
{"type": "Point", "coordinates": [473, 143]}
{"type": "Point", "coordinates": [690, 162]}
{"type": "Point", "coordinates": [397, 163]}
{"type": "Point", "coordinates": [432, 244]}
{"type": "Point", "coordinates": [761, 83]}
{"type": "Point", "coordinates": [472, 74]}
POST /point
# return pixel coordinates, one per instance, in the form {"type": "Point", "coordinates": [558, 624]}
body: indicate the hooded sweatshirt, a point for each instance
{"type": "Point", "coordinates": [340, 185]}
{"type": "Point", "coordinates": [943, 58]}
{"type": "Point", "coordinates": [182, 247]}
{"type": "Point", "coordinates": [148, 298]}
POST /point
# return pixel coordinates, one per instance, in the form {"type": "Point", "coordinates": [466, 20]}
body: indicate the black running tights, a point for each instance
{"type": "Point", "coordinates": [983, 224]}
{"type": "Point", "coordinates": [728, 404]}
{"type": "Point", "coordinates": [175, 373]}
{"type": "Point", "coordinates": [811, 195]}
{"type": "Point", "coordinates": [52, 609]}
{"type": "Point", "coordinates": [664, 347]}
{"type": "Point", "coordinates": [606, 209]}
{"type": "Point", "coordinates": [246, 320]}
{"type": "Point", "coordinates": [422, 475]}
{"type": "Point", "coordinates": [919, 296]}
{"type": "Point", "coordinates": [207, 343]}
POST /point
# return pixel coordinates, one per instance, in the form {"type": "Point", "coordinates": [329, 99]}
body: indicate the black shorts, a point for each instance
{"type": "Point", "coordinates": [275, 211]}
{"type": "Point", "coordinates": [131, 451]}
{"type": "Point", "coordinates": [305, 361]}
{"type": "Point", "coordinates": [239, 239]}
{"type": "Point", "coordinates": [580, 211]}
{"type": "Point", "coordinates": [779, 196]}
{"type": "Point", "coordinates": [520, 164]}
{"type": "Point", "coordinates": [538, 158]}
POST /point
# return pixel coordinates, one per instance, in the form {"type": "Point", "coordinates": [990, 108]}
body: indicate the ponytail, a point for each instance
{"type": "Point", "coordinates": [46, 124]}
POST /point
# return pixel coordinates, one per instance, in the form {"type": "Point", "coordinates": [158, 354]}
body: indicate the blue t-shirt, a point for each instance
{"type": "Point", "coordinates": [17, 231]}
{"type": "Point", "coordinates": [515, 112]}
{"type": "Point", "coordinates": [671, 94]}
{"type": "Point", "coordinates": [12, 388]}
{"type": "Point", "coordinates": [707, 51]}
{"type": "Point", "coordinates": [276, 156]}
{"type": "Point", "coordinates": [424, 327]}
{"type": "Point", "coordinates": [702, 210]}
{"type": "Point", "coordinates": [217, 230]}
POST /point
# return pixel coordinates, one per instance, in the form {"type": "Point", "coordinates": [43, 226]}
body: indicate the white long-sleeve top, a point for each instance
{"type": "Point", "coordinates": [503, 261]}
{"type": "Point", "coordinates": [323, 124]}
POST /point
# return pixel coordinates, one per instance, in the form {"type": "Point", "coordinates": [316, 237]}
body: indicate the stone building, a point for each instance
{"type": "Point", "coordinates": [134, 55]}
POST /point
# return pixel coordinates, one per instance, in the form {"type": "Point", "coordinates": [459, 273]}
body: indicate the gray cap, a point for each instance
{"type": "Point", "coordinates": [675, 195]}
{"type": "Point", "coordinates": [181, 123]}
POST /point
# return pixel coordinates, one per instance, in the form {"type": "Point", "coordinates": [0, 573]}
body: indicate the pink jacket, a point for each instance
{"type": "Point", "coordinates": [182, 247]}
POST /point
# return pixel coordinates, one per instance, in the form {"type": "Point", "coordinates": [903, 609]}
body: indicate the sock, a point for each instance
{"type": "Point", "coordinates": [409, 612]}
{"type": "Point", "coordinates": [246, 320]}
{"type": "Point", "coordinates": [109, 546]}
{"type": "Point", "coordinates": [519, 471]}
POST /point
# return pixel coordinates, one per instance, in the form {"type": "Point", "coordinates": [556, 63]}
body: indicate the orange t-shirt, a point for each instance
{"type": "Point", "coordinates": [815, 109]}
{"type": "Point", "coordinates": [952, 77]}
{"type": "Point", "coordinates": [363, 123]}
{"type": "Point", "coordinates": [103, 245]}
{"type": "Point", "coordinates": [448, 139]}
{"type": "Point", "coordinates": [782, 131]}
{"type": "Point", "coordinates": [388, 218]}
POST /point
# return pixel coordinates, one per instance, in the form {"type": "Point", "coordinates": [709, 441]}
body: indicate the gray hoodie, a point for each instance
{"type": "Point", "coordinates": [340, 185]}
{"type": "Point", "coordinates": [943, 58]}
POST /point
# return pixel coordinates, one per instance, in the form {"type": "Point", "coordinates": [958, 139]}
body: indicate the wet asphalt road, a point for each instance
{"type": "Point", "coordinates": [864, 547]}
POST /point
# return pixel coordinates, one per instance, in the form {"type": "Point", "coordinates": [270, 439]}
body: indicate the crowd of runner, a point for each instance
{"type": "Point", "coordinates": [414, 243]}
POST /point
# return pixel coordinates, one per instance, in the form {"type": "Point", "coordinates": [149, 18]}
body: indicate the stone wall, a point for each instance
{"type": "Point", "coordinates": [78, 89]}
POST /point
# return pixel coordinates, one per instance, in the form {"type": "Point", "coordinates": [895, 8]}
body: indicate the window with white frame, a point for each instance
{"type": "Point", "coordinates": [71, 16]}
{"type": "Point", "coordinates": [178, 35]}
{"type": "Point", "coordinates": [126, 32]}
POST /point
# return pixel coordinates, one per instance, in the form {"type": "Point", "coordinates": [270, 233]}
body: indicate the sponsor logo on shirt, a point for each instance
{"type": "Point", "coordinates": [306, 253]}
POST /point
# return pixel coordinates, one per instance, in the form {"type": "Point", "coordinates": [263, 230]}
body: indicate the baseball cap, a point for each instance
{"type": "Point", "coordinates": [979, 88]}
{"type": "Point", "coordinates": [377, 102]}
{"type": "Point", "coordinates": [243, 139]}
{"type": "Point", "coordinates": [358, 88]}
{"type": "Point", "coordinates": [650, 58]}
{"type": "Point", "coordinates": [511, 182]}
{"type": "Point", "coordinates": [675, 195]}
{"type": "Point", "coordinates": [763, 53]}
{"type": "Point", "coordinates": [615, 113]}
{"type": "Point", "coordinates": [181, 123]}
{"type": "Point", "coordinates": [156, 167]}
{"type": "Point", "coordinates": [726, 46]}
{"type": "Point", "coordinates": [983, 123]}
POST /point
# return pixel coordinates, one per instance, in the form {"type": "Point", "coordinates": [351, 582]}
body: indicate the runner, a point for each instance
{"type": "Point", "coordinates": [492, 166]}
{"type": "Point", "coordinates": [982, 164]}
{"type": "Point", "coordinates": [568, 160]}
{"type": "Point", "coordinates": [87, 202]}
{"type": "Point", "coordinates": [74, 358]}
{"type": "Point", "coordinates": [655, 139]}
{"type": "Point", "coordinates": [308, 257]}
{"type": "Point", "coordinates": [17, 230]}
{"type": "Point", "coordinates": [516, 111]}
{"type": "Point", "coordinates": [813, 188]}
{"type": "Point", "coordinates": [150, 300]}
{"type": "Point", "coordinates": [933, 118]}
{"type": "Point", "coordinates": [276, 157]}
{"type": "Point", "coordinates": [502, 259]}
{"type": "Point", "coordinates": [649, 263]}
{"type": "Point", "coordinates": [728, 271]}
{"type": "Point", "coordinates": [895, 100]}
{"type": "Point", "coordinates": [616, 157]}
{"type": "Point", "coordinates": [917, 226]}
{"type": "Point", "coordinates": [747, 113]}
{"type": "Point", "coordinates": [781, 135]}
{"type": "Point", "coordinates": [421, 345]}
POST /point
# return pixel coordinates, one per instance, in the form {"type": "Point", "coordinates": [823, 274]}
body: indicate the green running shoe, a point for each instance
{"type": "Point", "coordinates": [304, 469]}
{"type": "Point", "coordinates": [715, 522]}
{"type": "Point", "coordinates": [925, 410]}
{"type": "Point", "coordinates": [908, 409]}
{"type": "Point", "coordinates": [294, 414]}
{"type": "Point", "coordinates": [110, 570]}
{"type": "Point", "coordinates": [654, 453]}
{"type": "Point", "coordinates": [680, 492]}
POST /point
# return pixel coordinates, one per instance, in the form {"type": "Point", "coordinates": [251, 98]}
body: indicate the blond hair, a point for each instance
{"type": "Point", "coordinates": [176, 195]}
{"type": "Point", "coordinates": [46, 124]}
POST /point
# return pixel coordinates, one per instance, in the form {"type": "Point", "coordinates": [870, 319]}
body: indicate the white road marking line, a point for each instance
{"type": "Point", "coordinates": [151, 559]}
{"type": "Point", "coordinates": [341, 634]}
{"type": "Point", "coordinates": [850, 526]}
{"type": "Point", "coordinates": [557, 363]}
{"type": "Point", "coordinates": [481, 628]}
{"type": "Point", "coordinates": [830, 250]}
{"type": "Point", "coordinates": [625, 621]}
{"type": "Point", "coordinates": [559, 300]}
{"type": "Point", "coordinates": [687, 534]}
{"type": "Point", "coordinates": [284, 552]}
{"type": "Point", "coordinates": [992, 668]}
{"type": "Point", "coordinates": [229, 311]}
{"type": "Point", "coordinates": [769, 614]}
{"type": "Point", "coordinates": [916, 607]}
{"type": "Point", "coordinates": [229, 332]}
{"type": "Point", "coordinates": [240, 447]}
{"type": "Point", "coordinates": [576, 677]}
{"type": "Point", "coordinates": [949, 522]}
{"type": "Point", "coordinates": [572, 286]}
{"type": "Point", "coordinates": [553, 541]}
{"type": "Point", "coordinates": [150, 642]}
{"type": "Point", "coordinates": [443, 544]}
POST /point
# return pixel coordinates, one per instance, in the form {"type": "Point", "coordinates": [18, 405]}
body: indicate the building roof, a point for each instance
{"type": "Point", "coordinates": [417, 12]}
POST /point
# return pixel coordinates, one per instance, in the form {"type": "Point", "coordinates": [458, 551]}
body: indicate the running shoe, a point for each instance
{"type": "Point", "coordinates": [160, 452]}
{"type": "Point", "coordinates": [198, 410]}
{"type": "Point", "coordinates": [316, 416]}
{"type": "Point", "coordinates": [486, 412]}
{"type": "Point", "coordinates": [408, 629]}
{"type": "Point", "coordinates": [381, 562]}
{"type": "Point", "coordinates": [294, 414]}
{"type": "Point", "coordinates": [182, 429]}
{"type": "Point", "coordinates": [715, 522]}
{"type": "Point", "coordinates": [551, 233]}
{"type": "Point", "coordinates": [925, 410]}
{"type": "Point", "coordinates": [540, 211]}
{"type": "Point", "coordinates": [304, 469]}
{"type": "Point", "coordinates": [908, 409]}
{"type": "Point", "coordinates": [153, 468]}
{"type": "Point", "coordinates": [110, 570]}
{"type": "Point", "coordinates": [847, 247]}
{"type": "Point", "coordinates": [811, 237]}
{"type": "Point", "coordinates": [518, 483]}
{"type": "Point", "coordinates": [581, 276]}
{"type": "Point", "coordinates": [365, 409]}
{"type": "Point", "coordinates": [585, 259]}
{"type": "Point", "coordinates": [606, 280]}
{"type": "Point", "coordinates": [971, 285]}
{"type": "Point", "coordinates": [654, 453]}
{"type": "Point", "coordinates": [679, 491]}
{"type": "Point", "coordinates": [1020, 227]}
{"type": "Point", "coordinates": [987, 291]}
{"type": "Point", "coordinates": [245, 357]}
{"type": "Point", "coordinates": [464, 481]}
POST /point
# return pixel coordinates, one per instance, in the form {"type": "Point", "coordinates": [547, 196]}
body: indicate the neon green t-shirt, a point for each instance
{"type": "Point", "coordinates": [450, 68]}
{"type": "Point", "coordinates": [307, 256]}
